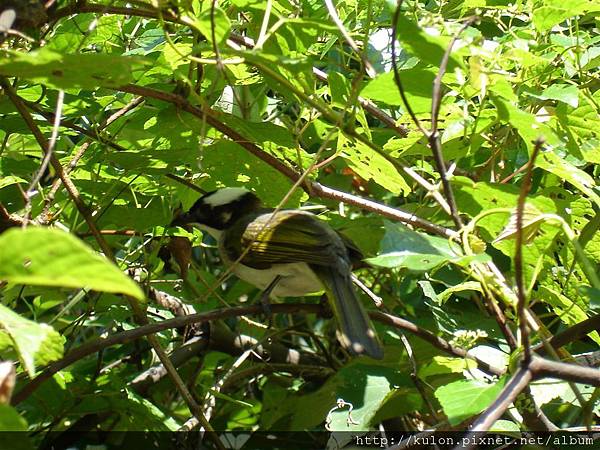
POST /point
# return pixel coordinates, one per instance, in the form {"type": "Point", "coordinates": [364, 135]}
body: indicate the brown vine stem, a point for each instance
{"type": "Point", "coordinates": [138, 313]}
{"type": "Point", "coordinates": [71, 189]}
{"type": "Point", "coordinates": [518, 382]}
{"type": "Point", "coordinates": [521, 294]}
{"type": "Point", "coordinates": [234, 38]}
{"type": "Point", "coordinates": [77, 157]}
{"type": "Point", "coordinates": [183, 321]}
{"type": "Point", "coordinates": [312, 188]}
{"type": "Point", "coordinates": [433, 136]}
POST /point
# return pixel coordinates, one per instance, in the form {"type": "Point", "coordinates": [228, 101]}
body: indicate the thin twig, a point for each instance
{"type": "Point", "coordinates": [48, 152]}
{"type": "Point", "coordinates": [369, 69]}
{"type": "Point", "coordinates": [71, 189]}
{"type": "Point", "coordinates": [396, 71]}
{"type": "Point", "coordinates": [312, 188]}
{"type": "Point", "coordinates": [434, 137]}
{"type": "Point", "coordinates": [521, 293]}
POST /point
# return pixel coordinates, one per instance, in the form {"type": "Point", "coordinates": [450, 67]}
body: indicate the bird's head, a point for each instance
{"type": "Point", "coordinates": [217, 210]}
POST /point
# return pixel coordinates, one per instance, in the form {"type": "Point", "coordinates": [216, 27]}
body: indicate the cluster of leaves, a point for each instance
{"type": "Point", "coordinates": [149, 99]}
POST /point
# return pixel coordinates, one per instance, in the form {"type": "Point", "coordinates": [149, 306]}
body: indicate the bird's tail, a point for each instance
{"type": "Point", "coordinates": [355, 331]}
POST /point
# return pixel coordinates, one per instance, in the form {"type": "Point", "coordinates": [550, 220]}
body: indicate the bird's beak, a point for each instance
{"type": "Point", "coordinates": [181, 220]}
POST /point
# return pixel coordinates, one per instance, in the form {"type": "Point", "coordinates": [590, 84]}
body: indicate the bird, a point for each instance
{"type": "Point", "coordinates": [286, 253]}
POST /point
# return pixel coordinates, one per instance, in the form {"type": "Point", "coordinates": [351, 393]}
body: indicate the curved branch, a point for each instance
{"type": "Point", "coordinates": [179, 322]}
{"type": "Point", "coordinates": [234, 38]}
{"type": "Point", "coordinates": [312, 188]}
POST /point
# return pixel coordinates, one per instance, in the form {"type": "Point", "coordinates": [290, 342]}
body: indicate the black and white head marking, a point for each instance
{"type": "Point", "coordinates": [217, 210]}
{"type": "Point", "coordinates": [224, 196]}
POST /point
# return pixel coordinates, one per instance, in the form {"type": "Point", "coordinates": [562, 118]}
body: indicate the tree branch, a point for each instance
{"type": "Point", "coordinates": [312, 188]}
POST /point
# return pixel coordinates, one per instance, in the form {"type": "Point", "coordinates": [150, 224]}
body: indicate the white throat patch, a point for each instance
{"type": "Point", "coordinates": [225, 196]}
{"type": "Point", "coordinates": [216, 234]}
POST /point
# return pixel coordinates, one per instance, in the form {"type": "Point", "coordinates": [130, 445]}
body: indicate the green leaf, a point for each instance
{"type": "Point", "coordinates": [551, 162]}
{"type": "Point", "coordinates": [402, 247]}
{"type": "Point", "coordinates": [210, 20]}
{"type": "Point", "coordinates": [10, 420]}
{"type": "Point", "coordinates": [568, 311]}
{"type": "Point", "coordinates": [526, 124]}
{"type": "Point", "coordinates": [531, 223]}
{"type": "Point", "coordinates": [553, 12]}
{"type": "Point", "coordinates": [50, 257]}
{"type": "Point", "coordinates": [581, 126]}
{"type": "Point", "coordinates": [443, 365]}
{"type": "Point", "coordinates": [137, 413]}
{"type": "Point", "coordinates": [36, 344]}
{"type": "Point", "coordinates": [506, 427]}
{"type": "Point", "coordinates": [10, 180]}
{"type": "Point", "coordinates": [290, 75]}
{"type": "Point", "coordinates": [370, 165]}
{"type": "Point", "coordinates": [366, 386]}
{"type": "Point", "coordinates": [465, 398]}
{"type": "Point", "coordinates": [475, 198]}
{"type": "Point", "coordinates": [566, 93]}
{"type": "Point", "coordinates": [231, 165]}
{"type": "Point", "coordinates": [67, 71]}
{"type": "Point", "coordinates": [425, 46]}
{"type": "Point", "coordinates": [417, 85]}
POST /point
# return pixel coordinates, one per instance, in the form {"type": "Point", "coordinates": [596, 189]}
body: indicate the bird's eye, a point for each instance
{"type": "Point", "coordinates": [226, 216]}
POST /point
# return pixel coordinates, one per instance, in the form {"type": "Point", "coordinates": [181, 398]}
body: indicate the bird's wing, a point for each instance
{"type": "Point", "coordinates": [284, 237]}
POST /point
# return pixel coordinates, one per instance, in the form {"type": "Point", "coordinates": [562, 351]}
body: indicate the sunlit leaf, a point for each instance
{"type": "Point", "coordinates": [49, 257]}
{"type": "Point", "coordinates": [34, 343]}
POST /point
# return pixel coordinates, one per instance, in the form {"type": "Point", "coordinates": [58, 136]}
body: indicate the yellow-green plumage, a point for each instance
{"type": "Point", "coordinates": [292, 237]}
{"type": "Point", "coordinates": [301, 252]}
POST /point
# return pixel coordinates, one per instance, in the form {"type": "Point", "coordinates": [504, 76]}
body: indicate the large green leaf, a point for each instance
{"type": "Point", "coordinates": [526, 124]}
{"type": "Point", "coordinates": [50, 257]}
{"type": "Point", "coordinates": [465, 398]}
{"type": "Point", "coordinates": [551, 12]}
{"type": "Point", "coordinates": [417, 85]}
{"type": "Point", "coordinates": [425, 46]}
{"type": "Point", "coordinates": [581, 124]}
{"type": "Point", "coordinates": [371, 165]}
{"type": "Point", "coordinates": [402, 247]}
{"type": "Point", "coordinates": [34, 343]}
{"type": "Point", "coordinates": [209, 21]}
{"type": "Point", "coordinates": [569, 312]}
{"type": "Point", "coordinates": [231, 165]}
{"type": "Point", "coordinates": [553, 163]}
{"type": "Point", "coordinates": [67, 71]}
{"type": "Point", "coordinates": [367, 387]}
{"type": "Point", "coordinates": [10, 420]}
{"type": "Point", "coordinates": [137, 413]}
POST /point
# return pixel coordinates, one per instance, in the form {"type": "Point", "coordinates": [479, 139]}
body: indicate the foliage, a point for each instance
{"type": "Point", "coordinates": [159, 100]}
